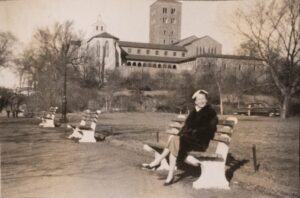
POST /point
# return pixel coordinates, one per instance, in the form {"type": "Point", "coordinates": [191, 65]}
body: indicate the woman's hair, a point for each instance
{"type": "Point", "coordinates": [200, 91]}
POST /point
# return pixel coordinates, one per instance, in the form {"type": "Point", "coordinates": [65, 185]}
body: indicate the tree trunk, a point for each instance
{"type": "Point", "coordinates": [220, 97]}
{"type": "Point", "coordinates": [285, 106]}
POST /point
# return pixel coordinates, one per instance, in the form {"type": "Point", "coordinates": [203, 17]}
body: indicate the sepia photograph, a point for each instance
{"type": "Point", "coordinates": [149, 98]}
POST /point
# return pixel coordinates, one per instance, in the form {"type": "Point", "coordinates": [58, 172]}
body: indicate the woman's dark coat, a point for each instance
{"type": "Point", "coordinates": [198, 130]}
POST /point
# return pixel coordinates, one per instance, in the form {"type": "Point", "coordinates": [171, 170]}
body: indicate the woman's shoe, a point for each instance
{"type": "Point", "coordinates": [147, 166]}
{"type": "Point", "coordinates": [169, 182]}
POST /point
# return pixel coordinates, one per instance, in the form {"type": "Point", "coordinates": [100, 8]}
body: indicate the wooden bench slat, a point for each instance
{"type": "Point", "coordinates": [206, 156]}
{"type": "Point", "coordinates": [229, 123]}
{"type": "Point", "coordinates": [224, 129]}
{"type": "Point", "coordinates": [222, 139]}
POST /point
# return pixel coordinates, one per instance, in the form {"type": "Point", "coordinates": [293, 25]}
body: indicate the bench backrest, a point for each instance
{"type": "Point", "coordinates": [50, 113]}
{"type": "Point", "coordinates": [89, 118]}
{"type": "Point", "coordinates": [222, 136]}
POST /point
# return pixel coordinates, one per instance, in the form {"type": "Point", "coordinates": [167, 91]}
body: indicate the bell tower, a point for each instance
{"type": "Point", "coordinates": [165, 22]}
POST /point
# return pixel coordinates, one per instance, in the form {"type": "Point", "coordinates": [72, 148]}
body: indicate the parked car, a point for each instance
{"type": "Point", "coordinates": [258, 108]}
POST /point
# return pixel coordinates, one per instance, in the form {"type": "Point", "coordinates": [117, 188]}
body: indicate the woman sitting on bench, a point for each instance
{"type": "Point", "coordinates": [199, 128]}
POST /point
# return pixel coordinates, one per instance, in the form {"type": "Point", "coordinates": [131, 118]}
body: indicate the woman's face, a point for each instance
{"type": "Point", "coordinates": [200, 100]}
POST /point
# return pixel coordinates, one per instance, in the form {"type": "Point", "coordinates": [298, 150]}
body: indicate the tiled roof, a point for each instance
{"type": "Point", "coordinates": [166, 1]}
{"type": "Point", "coordinates": [153, 58]}
{"type": "Point", "coordinates": [104, 35]}
{"type": "Point", "coordinates": [185, 42]}
{"type": "Point", "coordinates": [224, 56]}
{"type": "Point", "coordinates": [151, 46]}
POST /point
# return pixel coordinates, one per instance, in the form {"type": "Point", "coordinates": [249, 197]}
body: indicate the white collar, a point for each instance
{"type": "Point", "coordinates": [197, 108]}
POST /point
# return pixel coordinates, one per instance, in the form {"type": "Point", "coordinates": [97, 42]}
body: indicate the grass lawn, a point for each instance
{"type": "Point", "coordinates": [276, 140]}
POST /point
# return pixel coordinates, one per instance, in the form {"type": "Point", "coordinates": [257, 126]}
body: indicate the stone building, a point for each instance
{"type": "Point", "coordinates": [166, 50]}
{"type": "Point", "coordinates": [165, 22]}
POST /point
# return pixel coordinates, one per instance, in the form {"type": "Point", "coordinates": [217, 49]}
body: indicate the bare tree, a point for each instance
{"type": "Point", "coordinates": [7, 41]}
{"type": "Point", "coordinates": [272, 29]}
{"type": "Point", "coordinates": [213, 68]}
{"type": "Point", "coordinates": [52, 52]}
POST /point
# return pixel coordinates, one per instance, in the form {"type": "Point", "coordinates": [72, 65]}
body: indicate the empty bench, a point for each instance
{"type": "Point", "coordinates": [85, 131]}
{"type": "Point", "coordinates": [48, 117]}
{"type": "Point", "coordinates": [212, 161]}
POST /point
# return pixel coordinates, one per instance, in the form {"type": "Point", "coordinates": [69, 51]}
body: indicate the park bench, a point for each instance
{"type": "Point", "coordinates": [212, 161]}
{"type": "Point", "coordinates": [48, 117]}
{"type": "Point", "coordinates": [85, 131]}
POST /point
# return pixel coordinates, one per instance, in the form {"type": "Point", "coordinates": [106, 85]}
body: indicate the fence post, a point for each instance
{"type": "Point", "coordinates": [256, 166]}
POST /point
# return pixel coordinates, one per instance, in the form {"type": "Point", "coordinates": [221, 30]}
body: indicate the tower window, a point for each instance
{"type": "Point", "coordinates": [138, 51]}
{"type": "Point", "coordinates": [173, 21]}
{"type": "Point", "coordinates": [183, 54]}
{"type": "Point", "coordinates": [174, 53]}
{"type": "Point", "coordinates": [101, 28]}
{"type": "Point", "coordinates": [148, 51]}
{"type": "Point", "coordinates": [164, 10]}
{"type": "Point", "coordinates": [156, 52]}
{"type": "Point", "coordinates": [129, 50]}
{"type": "Point", "coordinates": [172, 10]}
{"type": "Point", "coordinates": [97, 27]}
{"type": "Point", "coordinates": [166, 53]}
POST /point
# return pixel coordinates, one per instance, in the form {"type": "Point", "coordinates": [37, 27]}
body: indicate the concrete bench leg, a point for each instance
{"type": "Point", "coordinates": [75, 134]}
{"type": "Point", "coordinates": [164, 165]}
{"type": "Point", "coordinates": [47, 123]}
{"type": "Point", "coordinates": [212, 176]}
{"type": "Point", "coordinates": [88, 136]}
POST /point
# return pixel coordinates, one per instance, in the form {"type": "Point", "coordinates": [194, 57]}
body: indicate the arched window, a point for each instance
{"type": "Point", "coordinates": [149, 64]}
{"type": "Point", "coordinates": [154, 65]}
{"type": "Point", "coordinates": [106, 49]}
{"type": "Point", "coordinates": [169, 66]}
{"type": "Point", "coordinates": [133, 64]}
{"type": "Point", "coordinates": [128, 63]}
{"type": "Point", "coordinates": [98, 49]}
{"type": "Point", "coordinates": [159, 65]}
{"type": "Point", "coordinates": [139, 64]}
{"type": "Point", "coordinates": [164, 66]}
{"type": "Point", "coordinates": [174, 67]}
{"type": "Point", "coordinates": [144, 65]}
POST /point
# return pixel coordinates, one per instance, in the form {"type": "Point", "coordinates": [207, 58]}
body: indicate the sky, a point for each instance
{"type": "Point", "coordinates": [126, 19]}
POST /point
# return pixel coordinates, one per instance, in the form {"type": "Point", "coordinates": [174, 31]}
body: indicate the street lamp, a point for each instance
{"type": "Point", "coordinates": [64, 118]}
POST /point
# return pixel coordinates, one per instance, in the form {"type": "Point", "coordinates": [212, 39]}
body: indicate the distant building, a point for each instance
{"type": "Point", "coordinates": [165, 51]}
